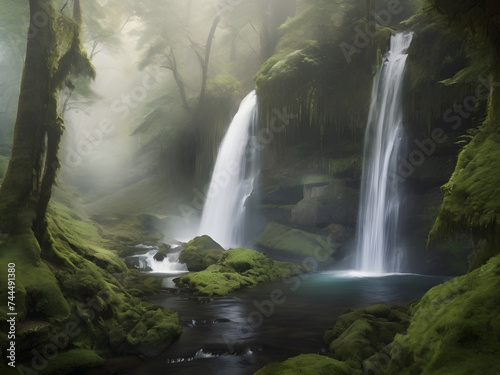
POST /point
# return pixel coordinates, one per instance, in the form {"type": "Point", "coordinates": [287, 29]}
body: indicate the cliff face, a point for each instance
{"type": "Point", "coordinates": [314, 103]}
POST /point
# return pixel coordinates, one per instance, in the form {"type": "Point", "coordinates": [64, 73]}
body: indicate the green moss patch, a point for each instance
{"type": "Point", "coordinates": [359, 334]}
{"type": "Point", "coordinates": [200, 253]}
{"type": "Point", "coordinates": [308, 364]}
{"type": "Point", "coordinates": [70, 285]}
{"type": "Point", "coordinates": [71, 361]}
{"type": "Point", "coordinates": [455, 328]}
{"type": "Point", "coordinates": [237, 269]}
{"type": "Point", "coordinates": [471, 203]}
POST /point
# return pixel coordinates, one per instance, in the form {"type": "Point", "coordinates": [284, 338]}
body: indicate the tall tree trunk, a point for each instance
{"type": "Point", "coordinates": [206, 60]}
{"type": "Point", "coordinates": [24, 173]}
{"type": "Point", "coordinates": [26, 189]}
{"type": "Point", "coordinates": [274, 14]}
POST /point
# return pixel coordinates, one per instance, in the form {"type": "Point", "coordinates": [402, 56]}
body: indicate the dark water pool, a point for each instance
{"type": "Point", "coordinates": [237, 335]}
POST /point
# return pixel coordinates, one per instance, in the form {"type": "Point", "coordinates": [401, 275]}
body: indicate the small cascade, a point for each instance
{"type": "Point", "coordinates": [146, 261]}
{"type": "Point", "coordinates": [169, 265]}
{"type": "Point", "coordinates": [378, 247]}
{"type": "Point", "coordinates": [233, 178]}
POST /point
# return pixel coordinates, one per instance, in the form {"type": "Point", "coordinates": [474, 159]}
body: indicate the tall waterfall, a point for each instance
{"type": "Point", "coordinates": [235, 171]}
{"type": "Point", "coordinates": [378, 247]}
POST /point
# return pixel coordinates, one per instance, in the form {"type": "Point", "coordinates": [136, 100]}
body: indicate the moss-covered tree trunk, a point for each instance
{"type": "Point", "coordinates": [53, 52]}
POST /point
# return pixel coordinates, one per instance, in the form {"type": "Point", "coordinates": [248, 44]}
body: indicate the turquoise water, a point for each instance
{"type": "Point", "coordinates": [237, 335]}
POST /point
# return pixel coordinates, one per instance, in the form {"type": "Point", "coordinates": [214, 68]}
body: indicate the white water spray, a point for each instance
{"type": "Point", "coordinates": [235, 171]}
{"type": "Point", "coordinates": [378, 248]}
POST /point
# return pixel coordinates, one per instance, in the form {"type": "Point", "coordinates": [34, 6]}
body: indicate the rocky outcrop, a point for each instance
{"type": "Point", "coordinates": [237, 269]}
{"type": "Point", "coordinates": [200, 253]}
{"type": "Point", "coordinates": [295, 242]}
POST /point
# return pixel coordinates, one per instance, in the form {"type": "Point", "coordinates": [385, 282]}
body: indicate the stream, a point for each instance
{"type": "Point", "coordinates": [239, 334]}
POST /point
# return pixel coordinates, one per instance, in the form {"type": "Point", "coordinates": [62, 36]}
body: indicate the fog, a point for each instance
{"type": "Point", "coordinates": [133, 59]}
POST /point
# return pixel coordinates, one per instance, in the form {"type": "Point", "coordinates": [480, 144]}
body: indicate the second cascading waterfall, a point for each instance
{"type": "Point", "coordinates": [378, 248]}
{"type": "Point", "coordinates": [233, 178]}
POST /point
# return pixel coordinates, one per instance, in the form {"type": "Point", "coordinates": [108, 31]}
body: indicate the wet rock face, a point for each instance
{"type": "Point", "coordinates": [294, 242]}
{"type": "Point", "coordinates": [138, 262]}
{"type": "Point", "coordinates": [320, 212]}
{"type": "Point", "coordinates": [163, 250]}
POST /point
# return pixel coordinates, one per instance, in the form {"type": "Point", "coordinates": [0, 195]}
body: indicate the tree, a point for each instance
{"type": "Point", "coordinates": [274, 14]}
{"type": "Point", "coordinates": [53, 52]}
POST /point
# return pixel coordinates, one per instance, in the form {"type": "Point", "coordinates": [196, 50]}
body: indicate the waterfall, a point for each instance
{"type": "Point", "coordinates": [235, 171]}
{"type": "Point", "coordinates": [378, 247]}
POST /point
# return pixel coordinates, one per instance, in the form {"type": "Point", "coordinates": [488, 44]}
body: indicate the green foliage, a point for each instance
{"type": "Point", "coordinates": [315, 74]}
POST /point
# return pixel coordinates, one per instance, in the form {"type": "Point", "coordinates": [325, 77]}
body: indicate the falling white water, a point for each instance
{"type": "Point", "coordinates": [233, 178]}
{"type": "Point", "coordinates": [378, 248]}
{"type": "Point", "coordinates": [169, 265]}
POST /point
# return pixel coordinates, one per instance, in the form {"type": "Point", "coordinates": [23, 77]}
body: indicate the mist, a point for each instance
{"type": "Point", "coordinates": [249, 187]}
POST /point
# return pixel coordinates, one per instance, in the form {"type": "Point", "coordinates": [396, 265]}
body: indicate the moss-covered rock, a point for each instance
{"type": "Point", "coordinates": [163, 250]}
{"type": "Point", "coordinates": [309, 364]}
{"type": "Point", "coordinates": [454, 328]}
{"type": "Point", "coordinates": [237, 269]}
{"type": "Point", "coordinates": [200, 253]}
{"type": "Point", "coordinates": [471, 203]}
{"type": "Point", "coordinates": [73, 360]}
{"type": "Point", "coordinates": [295, 241]}
{"type": "Point", "coordinates": [81, 293]}
{"type": "Point", "coordinates": [359, 334]}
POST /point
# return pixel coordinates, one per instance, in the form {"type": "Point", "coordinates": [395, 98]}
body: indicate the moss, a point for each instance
{"type": "Point", "coordinates": [359, 334]}
{"type": "Point", "coordinates": [203, 243]}
{"type": "Point", "coordinates": [164, 250]}
{"type": "Point", "coordinates": [156, 330]}
{"type": "Point", "coordinates": [319, 75]}
{"type": "Point", "coordinates": [470, 203]}
{"type": "Point", "coordinates": [454, 329]}
{"type": "Point", "coordinates": [76, 280]}
{"type": "Point", "coordinates": [71, 361]}
{"type": "Point", "coordinates": [237, 269]}
{"type": "Point", "coordinates": [280, 237]}
{"type": "Point", "coordinates": [200, 253]}
{"type": "Point", "coordinates": [309, 364]}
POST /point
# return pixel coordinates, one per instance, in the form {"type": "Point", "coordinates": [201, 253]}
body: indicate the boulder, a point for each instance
{"type": "Point", "coordinates": [237, 269]}
{"type": "Point", "coordinates": [138, 262]}
{"type": "Point", "coordinates": [200, 253]}
{"type": "Point", "coordinates": [308, 364]}
{"type": "Point", "coordinates": [163, 250]}
{"type": "Point", "coordinates": [295, 241]}
{"type": "Point", "coordinates": [359, 334]}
